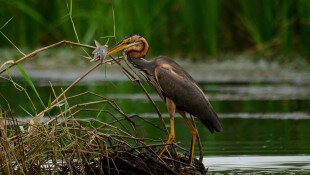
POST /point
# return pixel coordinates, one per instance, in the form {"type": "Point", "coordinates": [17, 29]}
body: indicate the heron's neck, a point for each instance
{"type": "Point", "coordinates": [143, 64]}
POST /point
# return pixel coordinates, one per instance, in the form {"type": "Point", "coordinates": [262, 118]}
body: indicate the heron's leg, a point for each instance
{"type": "Point", "coordinates": [194, 135]}
{"type": "Point", "coordinates": [171, 109]}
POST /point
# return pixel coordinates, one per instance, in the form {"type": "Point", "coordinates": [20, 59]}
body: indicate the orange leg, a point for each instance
{"type": "Point", "coordinates": [194, 135]}
{"type": "Point", "coordinates": [171, 109]}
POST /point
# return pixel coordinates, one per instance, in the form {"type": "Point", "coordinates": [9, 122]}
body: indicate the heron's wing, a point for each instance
{"type": "Point", "coordinates": [180, 87]}
{"type": "Point", "coordinates": [175, 67]}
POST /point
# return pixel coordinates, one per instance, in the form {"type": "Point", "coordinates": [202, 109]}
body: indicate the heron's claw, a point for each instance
{"type": "Point", "coordinates": [100, 52]}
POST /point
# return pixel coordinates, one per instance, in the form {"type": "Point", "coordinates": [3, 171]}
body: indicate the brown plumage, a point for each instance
{"type": "Point", "coordinates": [175, 86]}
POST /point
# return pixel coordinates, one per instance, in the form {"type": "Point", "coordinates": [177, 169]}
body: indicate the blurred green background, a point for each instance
{"type": "Point", "coordinates": [190, 29]}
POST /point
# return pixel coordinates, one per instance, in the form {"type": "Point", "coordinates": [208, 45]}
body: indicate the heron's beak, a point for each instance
{"type": "Point", "coordinates": [122, 45]}
{"type": "Point", "coordinates": [101, 52]}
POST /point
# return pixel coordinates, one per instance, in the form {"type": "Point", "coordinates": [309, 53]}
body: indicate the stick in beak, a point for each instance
{"type": "Point", "coordinates": [101, 52]}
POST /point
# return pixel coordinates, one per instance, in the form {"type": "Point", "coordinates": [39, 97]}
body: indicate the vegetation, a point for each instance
{"type": "Point", "coordinates": [83, 133]}
{"type": "Point", "coordinates": [184, 28]}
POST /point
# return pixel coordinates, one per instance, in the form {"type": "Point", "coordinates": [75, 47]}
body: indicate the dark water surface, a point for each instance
{"type": "Point", "coordinates": [265, 125]}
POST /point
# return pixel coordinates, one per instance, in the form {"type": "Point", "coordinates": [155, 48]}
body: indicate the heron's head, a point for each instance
{"type": "Point", "coordinates": [134, 46]}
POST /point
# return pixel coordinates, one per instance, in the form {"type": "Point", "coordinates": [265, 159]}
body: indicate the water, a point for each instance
{"type": "Point", "coordinates": [258, 164]}
{"type": "Point", "coordinates": [266, 125]}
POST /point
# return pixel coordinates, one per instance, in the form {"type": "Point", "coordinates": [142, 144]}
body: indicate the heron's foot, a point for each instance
{"type": "Point", "coordinates": [191, 154]}
{"type": "Point", "coordinates": [191, 158]}
{"type": "Point", "coordinates": [168, 143]}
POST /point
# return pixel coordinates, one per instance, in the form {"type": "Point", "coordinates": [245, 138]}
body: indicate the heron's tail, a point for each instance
{"type": "Point", "coordinates": [211, 121]}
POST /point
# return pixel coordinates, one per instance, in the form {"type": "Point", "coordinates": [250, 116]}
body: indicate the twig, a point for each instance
{"type": "Point", "coordinates": [25, 57]}
{"type": "Point", "coordinates": [54, 102]}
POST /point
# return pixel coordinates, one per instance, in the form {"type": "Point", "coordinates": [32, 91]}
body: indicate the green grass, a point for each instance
{"type": "Point", "coordinates": [176, 28]}
{"type": "Point", "coordinates": [30, 83]}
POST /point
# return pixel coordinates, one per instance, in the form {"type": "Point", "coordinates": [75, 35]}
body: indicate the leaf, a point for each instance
{"type": "Point", "coordinates": [26, 111]}
{"type": "Point", "coordinates": [30, 83]}
{"type": "Point", "coordinates": [70, 9]}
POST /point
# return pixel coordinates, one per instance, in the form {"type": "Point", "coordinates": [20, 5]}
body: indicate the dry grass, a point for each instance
{"type": "Point", "coordinates": [66, 144]}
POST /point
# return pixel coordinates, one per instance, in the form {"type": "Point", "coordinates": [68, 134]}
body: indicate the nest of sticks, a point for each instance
{"type": "Point", "coordinates": [57, 140]}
